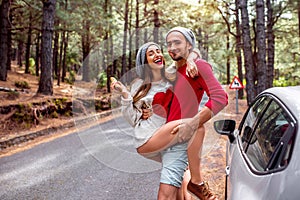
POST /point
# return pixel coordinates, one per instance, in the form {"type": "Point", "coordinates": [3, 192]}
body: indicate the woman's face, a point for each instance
{"type": "Point", "coordinates": [155, 57]}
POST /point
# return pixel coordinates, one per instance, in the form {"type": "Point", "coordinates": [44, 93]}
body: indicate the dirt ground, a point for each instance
{"type": "Point", "coordinates": [27, 96]}
{"type": "Point", "coordinates": [213, 163]}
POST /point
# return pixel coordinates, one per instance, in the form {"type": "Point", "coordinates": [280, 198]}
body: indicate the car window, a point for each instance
{"type": "Point", "coordinates": [248, 123]}
{"type": "Point", "coordinates": [267, 135]}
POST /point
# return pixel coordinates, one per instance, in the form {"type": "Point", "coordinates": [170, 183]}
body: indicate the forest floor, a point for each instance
{"type": "Point", "coordinates": [28, 96]}
{"type": "Point", "coordinates": [12, 129]}
{"type": "Point", "coordinates": [213, 162]}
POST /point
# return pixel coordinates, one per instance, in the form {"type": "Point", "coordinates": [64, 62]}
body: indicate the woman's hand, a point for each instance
{"type": "Point", "coordinates": [191, 69]}
{"type": "Point", "coordinates": [118, 87]}
{"type": "Point", "coordinates": [147, 112]}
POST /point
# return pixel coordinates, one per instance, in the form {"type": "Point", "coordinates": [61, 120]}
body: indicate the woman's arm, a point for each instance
{"type": "Point", "coordinates": [130, 113]}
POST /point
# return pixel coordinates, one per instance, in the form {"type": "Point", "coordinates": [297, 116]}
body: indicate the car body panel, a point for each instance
{"type": "Point", "coordinates": [290, 96]}
{"type": "Point", "coordinates": [244, 182]}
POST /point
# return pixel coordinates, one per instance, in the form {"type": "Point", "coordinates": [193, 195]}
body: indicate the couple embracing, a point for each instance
{"type": "Point", "coordinates": [162, 106]}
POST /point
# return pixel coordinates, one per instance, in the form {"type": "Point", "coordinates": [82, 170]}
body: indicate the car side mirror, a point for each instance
{"type": "Point", "coordinates": [225, 127]}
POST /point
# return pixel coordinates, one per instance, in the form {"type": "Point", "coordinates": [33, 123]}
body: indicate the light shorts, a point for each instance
{"type": "Point", "coordinates": [174, 164]}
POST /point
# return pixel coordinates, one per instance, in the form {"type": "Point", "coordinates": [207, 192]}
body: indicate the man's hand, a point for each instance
{"type": "Point", "coordinates": [184, 132]}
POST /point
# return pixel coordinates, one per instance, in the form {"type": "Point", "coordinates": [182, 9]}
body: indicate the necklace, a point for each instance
{"type": "Point", "coordinates": [158, 82]}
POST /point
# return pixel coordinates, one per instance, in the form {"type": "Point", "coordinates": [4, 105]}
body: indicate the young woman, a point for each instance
{"type": "Point", "coordinates": [153, 91]}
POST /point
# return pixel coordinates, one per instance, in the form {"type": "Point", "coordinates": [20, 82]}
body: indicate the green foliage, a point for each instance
{"type": "Point", "coordinates": [102, 80]}
{"type": "Point", "coordinates": [31, 62]}
{"type": "Point", "coordinates": [31, 66]}
{"type": "Point", "coordinates": [71, 78]}
{"type": "Point", "coordinates": [281, 82]}
{"type": "Point", "coordinates": [60, 103]}
{"type": "Point", "coordinates": [107, 21]}
{"type": "Point", "coordinates": [284, 82]}
{"type": "Point", "coordinates": [22, 84]}
{"type": "Point", "coordinates": [54, 114]}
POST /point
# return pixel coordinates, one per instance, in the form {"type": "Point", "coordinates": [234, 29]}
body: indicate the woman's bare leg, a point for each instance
{"type": "Point", "coordinates": [161, 139]}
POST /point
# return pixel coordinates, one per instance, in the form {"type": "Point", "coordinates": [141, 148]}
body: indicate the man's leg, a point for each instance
{"type": "Point", "coordinates": [167, 192]}
{"type": "Point", "coordinates": [174, 164]}
{"type": "Point", "coordinates": [183, 193]}
{"type": "Point", "coordinates": [194, 155]}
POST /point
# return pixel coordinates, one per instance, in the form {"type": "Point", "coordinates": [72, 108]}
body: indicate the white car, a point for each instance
{"type": "Point", "coordinates": [263, 154]}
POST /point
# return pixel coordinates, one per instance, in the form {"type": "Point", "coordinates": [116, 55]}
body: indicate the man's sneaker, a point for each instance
{"type": "Point", "coordinates": [201, 191]}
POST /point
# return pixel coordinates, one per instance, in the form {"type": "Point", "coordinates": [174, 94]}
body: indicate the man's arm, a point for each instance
{"type": "Point", "coordinates": [217, 101]}
{"type": "Point", "coordinates": [189, 126]}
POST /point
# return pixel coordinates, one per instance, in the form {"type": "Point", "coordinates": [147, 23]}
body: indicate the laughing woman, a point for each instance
{"type": "Point", "coordinates": [150, 91]}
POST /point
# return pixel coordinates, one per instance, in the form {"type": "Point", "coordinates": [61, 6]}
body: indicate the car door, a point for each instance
{"type": "Point", "coordinates": [262, 151]}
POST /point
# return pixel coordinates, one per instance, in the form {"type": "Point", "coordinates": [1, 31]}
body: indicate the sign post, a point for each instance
{"type": "Point", "coordinates": [236, 85]}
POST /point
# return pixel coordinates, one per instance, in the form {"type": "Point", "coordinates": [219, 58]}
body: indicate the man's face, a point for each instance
{"type": "Point", "coordinates": [178, 46]}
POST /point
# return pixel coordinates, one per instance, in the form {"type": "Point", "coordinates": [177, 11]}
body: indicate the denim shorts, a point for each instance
{"type": "Point", "coordinates": [174, 164]}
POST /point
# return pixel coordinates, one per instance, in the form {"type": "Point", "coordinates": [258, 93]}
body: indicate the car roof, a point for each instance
{"type": "Point", "coordinates": [290, 97]}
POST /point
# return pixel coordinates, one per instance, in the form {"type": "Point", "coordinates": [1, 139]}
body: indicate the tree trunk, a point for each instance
{"type": "Point", "coordinates": [64, 62]}
{"type": "Point", "coordinates": [202, 45]}
{"type": "Point", "coordinates": [145, 16]}
{"type": "Point", "coordinates": [130, 41]}
{"type": "Point", "coordinates": [60, 55]}
{"type": "Point", "coordinates": [65, 44]}
{"type": "Point", "coordinates": [270, 44]}
{"type": "Point", "coordinates": [86, 50]}
{"type": "Point", "coordinates": [125, 38]}
{"type": "Point", "coordinates": [137, 26]}
{"type": "Point", "coordinates": [254, 39]}
{"type": "Point", "coordinates": [299, 20]}
{"type": "Point", "coordinates": [20, 52]}
{"type": "Point", "coordinates": [9, 40]}
{"type": "Point", "coordinates": [261, 47]}
{"type": "Point", "coordinates": [55, 49]}
{"type": "Point", "coordinates": [107, 57]}
{"type": "Point", "coordinates": [114, 60]}
{"type": "Point", "coordinates": [238, 47]}
{"type": "Point", "coordinates": [28, 44]}
{"type": "Point", "coordinates": [228, 58]}
{"type": "Point", "coordinates": [46, 79]}
{"type": "Point", "coordinates": [4, 26]}
{"type": "Point", "coordinates": [156, 22]}
{"type": "Point", "coordinates": [37, 54]}
{"type": "Point", "coordinates": [247, 49]}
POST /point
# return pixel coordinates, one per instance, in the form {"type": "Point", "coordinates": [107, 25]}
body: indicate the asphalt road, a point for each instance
{"type": "Point", "coordinates": [98, 163]}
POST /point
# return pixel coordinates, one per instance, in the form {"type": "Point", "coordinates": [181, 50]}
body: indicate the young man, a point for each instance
{"type": "Point", "coordinates": [188, 93]}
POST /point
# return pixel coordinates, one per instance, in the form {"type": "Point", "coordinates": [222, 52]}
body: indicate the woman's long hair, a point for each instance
{"type": "Point", "coordinates": [142, 92]}
{"type": "Point", "coordinates": [145, 87]}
